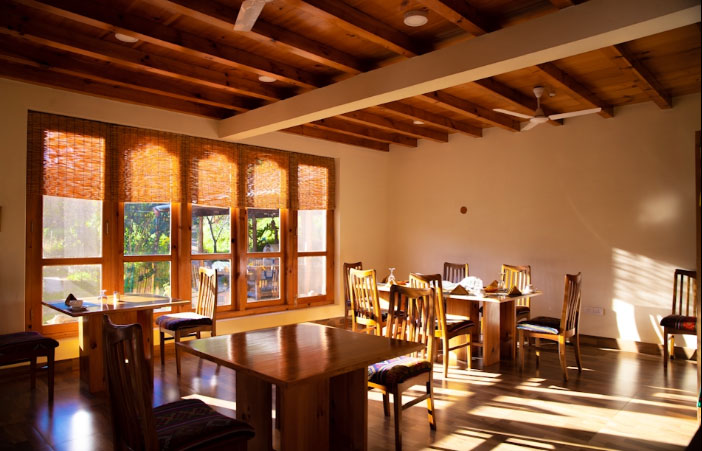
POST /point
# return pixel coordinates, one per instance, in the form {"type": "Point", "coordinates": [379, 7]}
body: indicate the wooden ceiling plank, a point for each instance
{"type": "Point", "coordinates": [437, 120]}
{"type": "Point", "coordinates": [327, 135]}
{"type": "Point", "coordinates": [471, 110]}
{"type": "Point", "coordinates": [97, 15]}
{"type": "Point", "coordinates": [574, 88]}
{"type": "Point", "coordinates": [218, 15]}
{"type": "Point", "coordinates": [12, 24]}
{"type": "Point", "coordinates": [513, 96]}
{"type": "Point", "coordinates": [376, 120]}
{"type": "Point", "coordinates": [462, 14]}
{"type": "Point", "coordinates": [644, 79]}
{"type": "Point", "coordinates": [369, 28]}
{"type": "Point", "coordinates": [83, 86]}
{"type": "Point", "coordinates": [363, 131]}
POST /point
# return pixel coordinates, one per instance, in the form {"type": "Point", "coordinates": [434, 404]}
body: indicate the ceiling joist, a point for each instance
{"type": "Point", "coordinates": [305, 130]}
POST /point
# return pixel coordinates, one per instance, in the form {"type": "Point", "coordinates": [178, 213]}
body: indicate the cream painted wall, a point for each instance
{"type": "Point", "coordinates": [361, 192]}
{"type": "Point", "coordinates": [613, 198]}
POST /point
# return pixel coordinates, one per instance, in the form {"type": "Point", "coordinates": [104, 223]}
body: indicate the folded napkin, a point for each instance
{"type": "Point", "coordinates": [492, 288]}
{"type": "Point", "coordinates": [70, 298]}
{"type": "Point", "coordinates": [460, 290]}
{"type": "Point", "coordinates": [514, 291]}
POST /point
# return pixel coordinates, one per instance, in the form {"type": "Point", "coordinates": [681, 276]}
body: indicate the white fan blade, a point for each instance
{"type": "Point", "coordinates": [555, 117]}
{"type": "Point", "coordinates": [248, 13]}
{"type": "Point", "coordinates": [512, 113]}
{"type": "Point", "coordinates": [529, 126]}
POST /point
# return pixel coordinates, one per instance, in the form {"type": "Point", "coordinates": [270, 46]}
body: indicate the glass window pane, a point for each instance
{"type": "Point", "coordinates": [72, 228]}
{"type": "Point", "coordinates": [262, 279]}
{"type": "Point", "coordinates": [311, 230]}
{"type": "Point", "coordinates": [223, 268]}
{"type": "Point", "coordinates": [263, 230]}
{"type": "Point", "coordinates": [211, 232]}
{"type": "Point", "coordinates": [147, 278]}
{"type": "Point", "coordinates": [311, 276]}
{"type": "Point", "coordinates": [147, 228]}
{"type": "Point", "coordinates": [59, 281]}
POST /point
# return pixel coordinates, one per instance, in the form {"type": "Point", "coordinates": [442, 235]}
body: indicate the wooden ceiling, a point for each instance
{"type": "Point", "coordinates": [189, 59]}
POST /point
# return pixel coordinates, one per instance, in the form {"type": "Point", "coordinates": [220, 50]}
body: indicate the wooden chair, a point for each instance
{"type": "Point", "coordinates": [683, 319]}
{"type": "Point", "coordinates": [557, 329]}
{"type": "Point", "coordinates": [26, 347]}
{"type": "Point", "coordinates": [185, 424]}
{"type": "Point", "coordinates": [410, 317]}
{"type": "Point", "coordinates": [519, 276]}
{"type": "Point", "coordinates": [183, 324]}
{"type": "Point", "coordinates": [347, 295]}
{"type": "Point", "coordinates": [447, 328]}
{"type": "Point", "coordinates": [365, 307]}
{"type": "Point", "coordinates": [455, 272]}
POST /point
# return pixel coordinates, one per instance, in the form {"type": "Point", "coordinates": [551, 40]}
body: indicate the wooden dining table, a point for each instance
{"type": "Point", "coordinates": [320, 374]}
{"type": "Point", "coordinates": [130, 308]}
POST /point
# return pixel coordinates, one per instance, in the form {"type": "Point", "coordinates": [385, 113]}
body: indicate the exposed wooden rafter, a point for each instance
{"type": "Point", "coordinates": [471, 110]}
{"type": "Point", "coordinates": [350, 128]}
{"type": "Point", "coordinates": [561, 79]}
{"type": "Point", "coordinates": [393, 125]}
{"type": "Point", "coordinates": [514, 97]}
{"type": "Point", "coordinates": [436, 120]}
{"type": "Point", "coordinates": [327, 135]}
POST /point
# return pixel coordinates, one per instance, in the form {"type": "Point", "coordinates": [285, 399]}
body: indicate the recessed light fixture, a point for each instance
{"type": "Point", "coordinates": [418, 122]}
{"type": "Point", "coordinates": [125, 38]}
{"type": "Point", "coordinates": [415, 18]}
{"type": "Point", "coordinates": [266, 79]}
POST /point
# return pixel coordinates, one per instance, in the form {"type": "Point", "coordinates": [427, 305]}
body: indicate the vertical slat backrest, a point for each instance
{"type": "Point", "coordinates": [571, 302]}
{"type": "Point", "coordinates": [129, 385]}
{"type": "Point", "coordinates": [207, 295]}
{"type": "Point", "coordinates": [432, 281]}
{"type": "Point", "coordinates": [685, 292]}
{"type": "Point", "coordinates": [519, 276]}
{"type": "Point", "coordinates": [455, 272]}
{"type": "Point", "coordinates": [348, 267]}
{"type": "Point", "coordinates": [364, 297]}
{"type": "Point", "coordinates": [411, 317]}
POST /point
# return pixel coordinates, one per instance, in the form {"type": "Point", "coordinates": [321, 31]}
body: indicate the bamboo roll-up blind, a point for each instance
{"type": "Point", "coordinates": [148, 165]}
{"type": "Point", "coordinates": [212, 172]}
{"type": "Point", "coordinates": [313, 182]}
{"type": "Point", "coordinates": [66, 156]}
{"type": "Point", "coordinates": [264, 178]}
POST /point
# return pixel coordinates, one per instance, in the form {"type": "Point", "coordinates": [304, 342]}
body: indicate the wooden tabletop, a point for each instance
{"type": "Point", "coordinates": [127, 302]}
{"type": "Point", "coordinates": [299, 352]}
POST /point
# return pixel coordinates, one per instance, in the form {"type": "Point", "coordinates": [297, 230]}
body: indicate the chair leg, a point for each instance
{"type": "Point", "coordinates": [162, 343]}
{"type": "Point", "coordinates": [197, 334]}
{"type": "Point", "coordinates": [33, 371]}
{"type": "Point", "coordinates": [447, 355]}
{"type": "Point", "coordinates": [537, 346]}
{"type": "Point", "coordinates": [430, 403]}
{"type": "Point", "coordinates": [562, 356]}
{"type": "Point", "coordinates": [50, 375]}
{"type": "Point", "coordinates": [522, 351]}
{"type": "Point", "coordinates": [177, 352]}
{"type": "Point", "coordinates": [665, 349]}
{"type": "Point", "coordinates": [577, 352]}
{"type": "Point", "coordinates": [397, 404]}
{"type": "Point", "coordinates": [672, 347]}
{"type": "Point", "coordinates": [386, 404]}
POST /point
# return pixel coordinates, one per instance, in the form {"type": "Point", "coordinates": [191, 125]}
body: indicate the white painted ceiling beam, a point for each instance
{"type": "Point", "coordinates": [571, 31]}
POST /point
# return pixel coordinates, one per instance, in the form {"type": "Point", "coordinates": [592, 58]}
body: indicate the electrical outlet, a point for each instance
{"type": "Point", "coordinates": [597, 311]}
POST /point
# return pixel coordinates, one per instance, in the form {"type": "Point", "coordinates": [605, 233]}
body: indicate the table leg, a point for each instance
{"type": "Point", "coordinates": [304, 416]}
{"type": "Point", "coordinates": [348, 423]}
{"type": "Point", "coordinates": [470, 310]}
{"type": "Point", "coordinates": [146, 319]}
{"type": "Point", "coordinates": [491, 333]}
{"type": "Point", "coordinates": [508, 331]}
{"type": "Point", "coordinates": [253, 405]}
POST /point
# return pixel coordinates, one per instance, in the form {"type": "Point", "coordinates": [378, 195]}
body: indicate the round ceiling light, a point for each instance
{"type": "Point", "coordinates": [415, 18]}
{"type": "Point", "coordinates": [266, 79]}
{"type": "Point", "coordinates": [125, 38]}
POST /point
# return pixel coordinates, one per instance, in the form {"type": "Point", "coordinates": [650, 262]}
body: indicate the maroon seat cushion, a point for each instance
{"type": "Point", "coordinates": [182, 320]}
{"type": "Point", "coordinates": [541, 324]}
{"type": "Point", "coordinates": [455, 326]}
{"type": "Point", "coordinates": [397, 370]}
{"type": "Point", "coordinates": [25, 343]}
{"type": "Point", "coordinates": [190, 422]}
{"type": "Point", "coordinates": [680, 322]}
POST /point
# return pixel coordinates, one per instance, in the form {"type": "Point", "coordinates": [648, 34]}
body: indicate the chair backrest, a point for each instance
{"type": "Point", "coordinates": [455, 272]}
{"type": "Point", "coordinates": [207, 292]}
{"type": "Point", "coordinates": [364, 298]}
{"type": "Point", "coordinates": [411, 317]}
{"type": "Point", "coordinates": [348, 267]}
{"type": "Point", "coordinates": [129, 385]}
{"type": "Point", "coordinates": [570, 317]}
{"type": "Point", "coordinates": [432, 281]}
{"type": "Point", "coordinates": [519, 276]}
{"type": "Point", "coordinates": [685, 292]}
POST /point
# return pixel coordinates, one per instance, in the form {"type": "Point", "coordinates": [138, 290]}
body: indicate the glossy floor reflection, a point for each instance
{"type": "Point", "coordinates": [620, 401]}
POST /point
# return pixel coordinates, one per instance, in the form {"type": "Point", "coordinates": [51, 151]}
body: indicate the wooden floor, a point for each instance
{"type": "Point", "coordinates": [620, 401]}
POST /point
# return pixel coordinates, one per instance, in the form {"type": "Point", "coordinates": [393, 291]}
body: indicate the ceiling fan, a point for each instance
{"type": "Point", "coordinates": [248, 13]}
{"type": "Point", "coordinates": [539, 117]}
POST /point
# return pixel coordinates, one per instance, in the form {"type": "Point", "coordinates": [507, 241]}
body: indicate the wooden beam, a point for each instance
{"type": "Point", "coordinates": [340, 125]}
{"type": "Point", "coordinates": [563, 80]}
{"type": "Point", "coordinates": [580, 29]}
{"type": "Point", "coordinates": [436, 120]}
{"type": "Point", "coordinates": [383, 122]}
{"type": "Point", "coordinates": [471, 110]}
{"type": "Point", "coordinates": [82, 86]}
{"type": "Point", "coordinates": [462, 14]}
{"type": "Point", "coordinates": [642, 76]}
{"type": "Point", "coordinates": [221, 16]}
{"type": "Point", "coordinates": [311, 132]}
{"type": "Point", "coordinates": [514, 97]}
{"type": "Point", "coordinates": [13, 22]}
{"type": "Point", "coordinates": [101, 17]}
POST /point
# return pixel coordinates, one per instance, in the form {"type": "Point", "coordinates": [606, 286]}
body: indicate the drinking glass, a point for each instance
{"type": "Point", "coordinates": [391, 277]}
